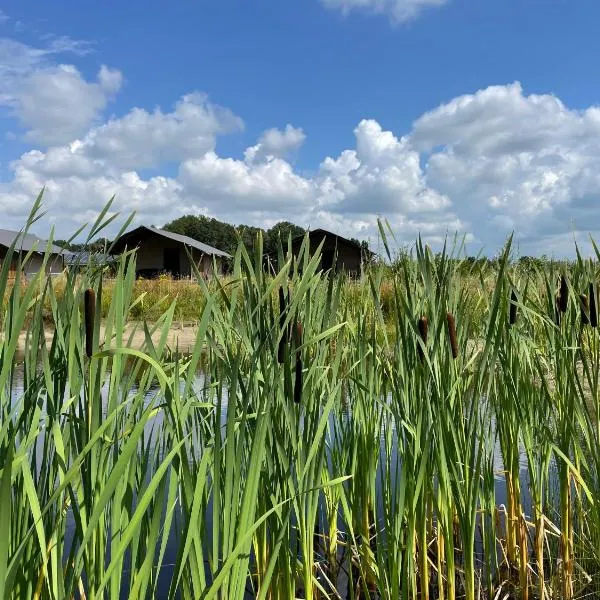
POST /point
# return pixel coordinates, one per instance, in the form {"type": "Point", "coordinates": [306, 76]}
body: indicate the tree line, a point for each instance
{"type": "Point", "coordinates": [224, 236]}
{"type": "Point", "coordinates": [213, 232]}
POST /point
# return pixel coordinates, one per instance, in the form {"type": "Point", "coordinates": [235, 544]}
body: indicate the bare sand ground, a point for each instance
{"type": "Point", "coordinates": [181, 336]}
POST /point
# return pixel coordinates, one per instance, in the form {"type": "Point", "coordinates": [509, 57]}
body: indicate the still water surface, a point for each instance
{"type": "Point", "coordinates": [199, 387]}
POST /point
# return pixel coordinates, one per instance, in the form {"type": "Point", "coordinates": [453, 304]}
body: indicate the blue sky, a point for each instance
{"type": "Point", "coordinates": [440, 115]}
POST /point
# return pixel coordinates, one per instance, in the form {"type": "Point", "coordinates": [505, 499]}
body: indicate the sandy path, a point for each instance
{"type": "Point", "coordinates": [180, 336]}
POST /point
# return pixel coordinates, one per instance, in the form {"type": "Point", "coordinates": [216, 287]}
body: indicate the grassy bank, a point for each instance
{"type": "Point", "coordinates": [427, 433]}
{"type": "Point", "coordinates": [152, 297]}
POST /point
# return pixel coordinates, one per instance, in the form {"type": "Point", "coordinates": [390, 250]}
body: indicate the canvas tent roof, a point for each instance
{"type": "Point", "coordinates": [183, 239]}
{"type": "Point", "coordinates": [25, 242]}
{"type": "Point", "coordinates": [324, 233]}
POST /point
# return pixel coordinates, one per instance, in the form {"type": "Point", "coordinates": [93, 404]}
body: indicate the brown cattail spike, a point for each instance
{"type": "Point", "coordinates": [563, 295]}
{"type": "Point", "coordinates": [585, 309]}
{"type": "Point", "coordinates": [298, 334]}
{"type": "Point", "coordinates": [283, 340]}
{"type": "Point", "coordinates": [298, 382]}
{"type": "Point", "coordinates": [593, 306]}
{"type": "Point", "coordinates": [512, 315]}
{"type": "Point", "coordinates": [452, 334]}
{"type": "Point", "coordinates": [423, 326]}
{"type": "Point", "coordinates": [89, 301]}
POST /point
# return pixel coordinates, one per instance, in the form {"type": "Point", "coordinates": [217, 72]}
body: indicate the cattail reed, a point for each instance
{"type": "Point", "coordinates": [423, 327]}
{"type": "Point", "coordinates": [512, 315]}
{"type": "Point", "coordinates": [298, 382]}
{"type": "Point", "coordinates": [283, 340]}
{"type": "Point", "coordinates": [452, 334]}
{"type": "Point", "coordinates": [585, 309]}
{"type": "Point", "coordinates": [593, 308]}
{"type": "Point", "coordinates": [89, 313]}
{"type": "Point", "coordinates": [563, 295]}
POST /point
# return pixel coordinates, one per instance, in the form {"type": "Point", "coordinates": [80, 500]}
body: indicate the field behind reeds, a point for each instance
{"type": "Point", "coordinates": [155, 296]}
{"type": "Point", "coordinates": [431, 432]}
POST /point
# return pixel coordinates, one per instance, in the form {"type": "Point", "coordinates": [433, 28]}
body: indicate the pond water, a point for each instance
{"type": "Point", "coordinates": [199, 386]}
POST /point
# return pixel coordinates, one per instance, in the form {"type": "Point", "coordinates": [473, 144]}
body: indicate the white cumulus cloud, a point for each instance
{"type": "Point", "coordinates": [382, 175]}
{"type": "Point", "coordinates": [147, 139]}
{"type": "Point", "coordinates": [513, 161]}
{"type": "Point", "coordinates": [57, 104]}
{"type": "Point", "coordinates": [54, 103]}
{"type": "Point", "coordinates": [275, 143]}
{"type": "Point", "coordinates": [234, 186]}
{"type": "Point", "coordinates": [482, 164]}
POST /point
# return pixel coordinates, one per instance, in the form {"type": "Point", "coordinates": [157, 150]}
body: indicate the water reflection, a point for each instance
{"type": "Point", "coordinates": [205, 392]}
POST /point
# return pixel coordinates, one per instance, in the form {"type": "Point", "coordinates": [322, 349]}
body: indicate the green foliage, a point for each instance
{"type": "Point", "coordinates": [224, 236]}
{"type": "Point", "coordinates": [280, 233]}
{"type": "Point", "coordinates": [97, 245]}
{"type": "Point", "coordinates": [208, 230]}
{"type": "Point", "coordinates": [363, 454]}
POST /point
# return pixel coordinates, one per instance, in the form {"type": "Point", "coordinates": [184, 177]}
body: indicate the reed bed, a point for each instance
{"type": "Point", "coordinates": [429, 439]}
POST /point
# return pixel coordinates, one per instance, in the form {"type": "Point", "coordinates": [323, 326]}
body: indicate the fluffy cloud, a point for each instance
{"type": "Point", "coordinates": [144, 139]}
{"type": "Point", "coordinates": [235, 187]}
{"type": "Point", "coordinates": [53, 102]}
{"type": "Point", "coordinates": [75, 186]}
{"type": "Point", "coordinates": [57, 104]}
{"type": "Point", "coordinates": [382, 175]}
{"type": "Point", "coordinates": [514, 161]}
{"type": "Point", "coordinates": [481, 164]}
{"type": "Point", "coordinates": [81, 176]}
{"type": "Point", "coordinates": [138, 140]}
{"type": "Point", "coordinates": [399, 11]}
{"type": "Point", "coordinates": [275, 143]}
{"type": "Point", "coordinates": [17, 60]}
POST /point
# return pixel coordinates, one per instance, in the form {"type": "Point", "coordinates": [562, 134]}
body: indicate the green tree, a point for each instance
{"type": "Point", "coordinates": [206, 230]}
{"type": "Point", "coordinates": [224, 236]}
{"type": "Point", "coordinates": [281, 231]}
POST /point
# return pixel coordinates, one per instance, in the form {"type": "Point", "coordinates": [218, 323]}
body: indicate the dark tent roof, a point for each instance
{"type": "Point", "coordinates": [321, 233]}
{"type": "Point", "coordinates": [25, 242]}
{"type": "Point", "coordinates": [183, 239]}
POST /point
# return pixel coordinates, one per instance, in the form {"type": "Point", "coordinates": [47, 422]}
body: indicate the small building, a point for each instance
{"type": "Point", "coordinates": [81, 260]}
{"type": "Point", "coordinates": [337, 254]}
{"type": "Point", "coordinates": [160, 251]}
{"type": "Point", "coordinates": [26, 243]}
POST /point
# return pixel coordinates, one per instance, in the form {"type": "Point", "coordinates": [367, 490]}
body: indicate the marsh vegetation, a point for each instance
{"type": "Point", "coordinates": [441, 442]}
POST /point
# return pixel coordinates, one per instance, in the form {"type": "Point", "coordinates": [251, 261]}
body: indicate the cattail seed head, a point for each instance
{"type": "Point", "coordinates": [452, 334]}
{"type": "Point", "coordinates": [89, 302]}
{"type": "Point", "coordinates": [563, 295]}
{"type": "Point", "coordinates": [298, 381]}
{"type": "Point", "coordinates": [283, 340]}
{"type": "Point", "coordinates": [512, 315]}
{"type": "Point", "coordinates": [282, 306]}
{"type": "Point", "coordinates": [557, 310]}
{"type": "Point", "coordinates": [585, 309]}
{"type": "Point", "coordinates": [299, 332]}
{"type": "Point", "coordinates": [593, 306]}
{"type": "Point", "coordinates": [423, 327]}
